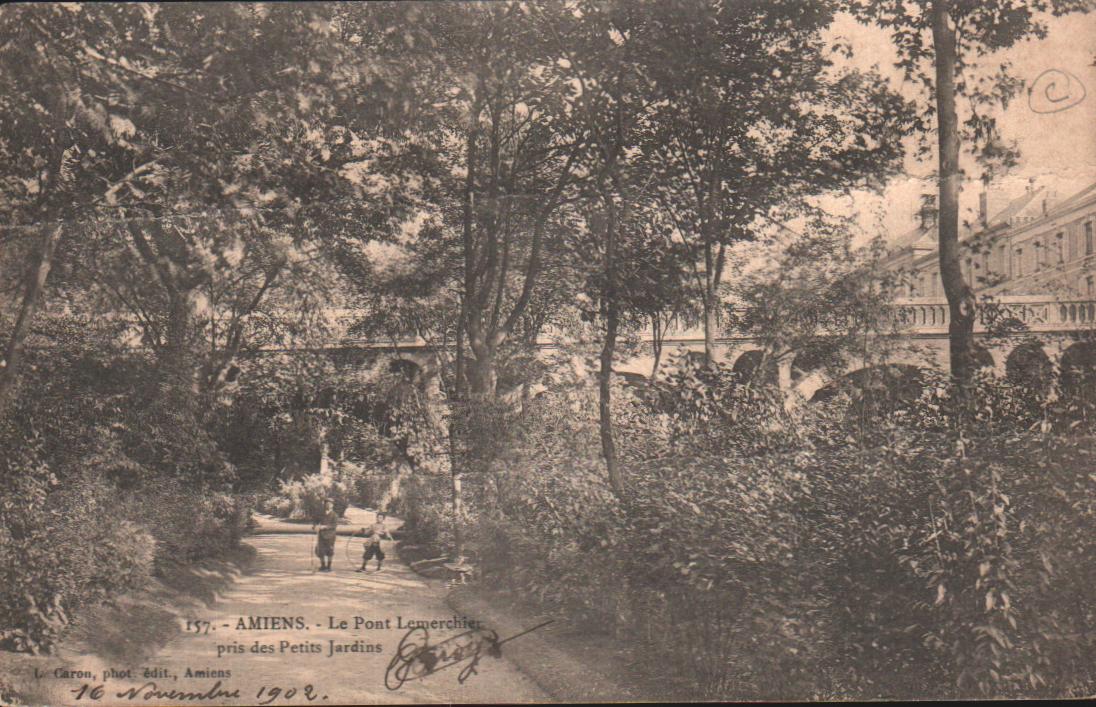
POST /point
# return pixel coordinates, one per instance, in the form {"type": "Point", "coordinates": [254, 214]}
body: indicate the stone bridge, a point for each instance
{"type": "Point", "coordinates": [1017, 335]}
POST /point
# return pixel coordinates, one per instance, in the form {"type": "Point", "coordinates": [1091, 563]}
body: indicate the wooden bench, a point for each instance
{"type": "Point", "coordinates": [420, 565]}
{"type": "Point", "coordinates": [463, 570]}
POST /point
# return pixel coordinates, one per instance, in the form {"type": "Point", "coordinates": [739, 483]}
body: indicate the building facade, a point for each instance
{"type": "Point", "coordinates": [1033, 244]}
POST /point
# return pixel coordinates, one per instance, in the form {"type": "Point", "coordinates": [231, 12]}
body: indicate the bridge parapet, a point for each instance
{"type": "Point", "coordinates": [1036, 313]}
{"type": "Point", "coordinates": [913, 316]}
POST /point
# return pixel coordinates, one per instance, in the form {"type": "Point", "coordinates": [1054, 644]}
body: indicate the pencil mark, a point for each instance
{"type": "Point", "coordinates": [1054, 91]}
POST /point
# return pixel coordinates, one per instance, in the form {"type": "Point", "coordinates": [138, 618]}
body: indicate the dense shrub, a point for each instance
{"type": "Point", "coordinates": [275, 505]}
{"type": "Point", "coordinates": [106, 473]}
{"type": "Point", "coordinates": [32, 590]}
{"type": "Point", "coordinates": [61, 548]}
{"type": "Point", "coordinates": [897, 559]}
{"type": "Point", "coordinates": [369, 486]}
{"type": "Point", "coordinates": [701, 402]}
{"type": "Point", "coordinates": [426, 508]}
{"type": "Point", "coordinates": [303, 499]}
{"type": "Point", "coordinates": [191, 522]}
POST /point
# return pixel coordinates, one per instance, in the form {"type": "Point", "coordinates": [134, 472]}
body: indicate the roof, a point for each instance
{"type": "Point", "coordinates": [1018, 207]}
{"type": "Point", "coordinates": [925, 238]}
{"type": "Point", "coordinates": [1073, 201]}
{"type": "Point", "coordinates": [910, 239]}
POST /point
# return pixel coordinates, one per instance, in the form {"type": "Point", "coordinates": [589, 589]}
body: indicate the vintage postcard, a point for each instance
{"type": "Point", "coordinates": [551, 351]}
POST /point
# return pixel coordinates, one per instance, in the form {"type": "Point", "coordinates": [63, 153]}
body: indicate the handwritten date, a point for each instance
{"type": "Point", "coordinates": [266, 695]}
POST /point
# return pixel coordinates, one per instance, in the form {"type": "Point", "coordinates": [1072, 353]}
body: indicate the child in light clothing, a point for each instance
{"type": "Point", "coordinates": [373, 545]}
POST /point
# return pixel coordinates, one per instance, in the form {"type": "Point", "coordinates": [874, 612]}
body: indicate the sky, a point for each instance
{"type": "Point", "coordinates": [1057, 149]}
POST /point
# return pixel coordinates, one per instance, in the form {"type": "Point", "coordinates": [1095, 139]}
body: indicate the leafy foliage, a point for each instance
{"type": "Point", "coordinates": [907, 562]}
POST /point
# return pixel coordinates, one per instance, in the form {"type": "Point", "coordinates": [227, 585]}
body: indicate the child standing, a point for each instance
{"type": "Point", "coordinates": [373, 544]}
{"type": "Point", "coordinates": [325, 538]}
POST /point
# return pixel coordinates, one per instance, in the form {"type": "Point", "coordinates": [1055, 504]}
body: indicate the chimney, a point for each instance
{"type": "Point", "coordinates": [927, 213]}
{"type": "Point", "coordinates": [983, 202]}
{"type": "Point", "coordinates": [1049, 199]}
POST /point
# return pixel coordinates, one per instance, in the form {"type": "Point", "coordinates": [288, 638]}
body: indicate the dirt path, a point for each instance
{"type": "Point", "coordinates": [282, 584]}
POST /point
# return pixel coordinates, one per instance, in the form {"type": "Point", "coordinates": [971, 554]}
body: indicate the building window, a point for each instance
{"type": "Point", "coordinates": [1089, 245]}
{"type": "Point", "coordinates": [1090, 286]}
{"type": "Point", "coordinates": [1061, 244]}
{"type": "Point", "coordinates": [1018, 268]}
{"type": "Point", "coordinates": [1040, 256]}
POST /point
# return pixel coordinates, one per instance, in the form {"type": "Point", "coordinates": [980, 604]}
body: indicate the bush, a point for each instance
{"type": "Point", "coordinates": [62, 549]}
{"type": "Point", "coordinates": [898, 560]}
{"type": "Point", "coordinates": [366, 487]}
{"type": "Point", "coordinates": [303, 499]}
{"type": "Point", "coordinates": [122, 559]}
{"type": "Point", "coordinates": [426, 508]}
{"type": "Point", "coordinates": [189, 522]}
{"type": "Point", "coordinates": [33, 584]}
{"type": "Point", "coordinates": [107, 470]}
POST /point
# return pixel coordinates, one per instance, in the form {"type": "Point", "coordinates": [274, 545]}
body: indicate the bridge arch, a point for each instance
{"type": "Point", "coordinates": [1028, 365]}
{"type": "Point", "coordinates": [812, 360]}
{"type": "Point", "coordinates": [806, 386]}
{"type": "Point", "coordinates": [410, 369]}
{"type": "Point", "coordinates": [983, 357]}
{"type": "Point", "coordinates": [1078, 373]}
{"type": "Point", "coordinates": [748, 364]}
{"type": "Point", "coordinates": [873, 385]}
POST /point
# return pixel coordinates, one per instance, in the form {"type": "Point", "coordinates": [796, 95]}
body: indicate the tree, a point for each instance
{"type": "Point", "coordinates": [33, 283]}
{"type": "Point", "coordinates": [601, 52]}
{"type": "Point", "coordinates": [501, 126]}
{"type": "Point", "coordinates": [757, 120]}
{"type": "Point", "coordinates": [500, 159]}
{"type": "Point", "coordinates": [723, 113]}
{"type": "Point", "coordinates": [939, 44]}
{"type": "Point", "coordinates": [136, 115]}
{"type": "Point", "coordinates": [816, 303]}
{"type": "Point", "coordinates": [656, 280]}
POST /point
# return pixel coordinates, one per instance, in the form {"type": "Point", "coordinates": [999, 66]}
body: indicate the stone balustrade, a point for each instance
{"type": "Point", "coordinates": [913, 316]}
{"type": "Point", "coordinates": [1035, 313]}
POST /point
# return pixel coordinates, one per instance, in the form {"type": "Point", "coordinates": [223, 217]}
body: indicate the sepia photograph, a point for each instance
{"type": "Point", "coordinates": [547, 351]}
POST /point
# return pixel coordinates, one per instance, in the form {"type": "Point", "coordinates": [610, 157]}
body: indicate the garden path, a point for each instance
{"type": "Point", "coordinates": [282, 583]}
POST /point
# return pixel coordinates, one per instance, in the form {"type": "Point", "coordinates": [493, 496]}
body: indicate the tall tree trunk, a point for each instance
{"type": "Point", "coordinates": [961, 302]}
{"type": "Point", "coordinates": [393, 491]}
{"type": "Point", "coordinates": [605, 419]}
{"type": "Point", "coordinates": [711, 325]}
{"type": "Point", "coordinates": [709, 305]}
{"type": "Point", "coordinates": [484, 376]}
{"type": "Point", "coordinates": [456, 407]}
{"type": "Point", "coordinates": [713, 267]}
{"type": "Point", "coordinates": [608, 348]}
{"type": "Point", "coordinates": [32, 293]}
{"type": "Point", "coordinates": [657, 335]}
{"type": "Point", "coordinates": [177, 361]}
{"type": "Point", "coordinates": [325, 451]}
{"type": "Point", "coordinates": [459, 374]}
{"type": "Point", "coordinates": [458, 513]}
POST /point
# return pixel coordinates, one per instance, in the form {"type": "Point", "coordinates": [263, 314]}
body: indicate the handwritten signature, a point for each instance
{"type": "Point", "coordinates": [416, 657]}
{"type": "Point", "coordinates": [1055, 90]}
